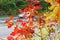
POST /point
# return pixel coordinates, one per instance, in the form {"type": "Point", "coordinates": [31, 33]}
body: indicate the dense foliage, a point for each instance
{"type": "Point", "coordinates": [10, 7]}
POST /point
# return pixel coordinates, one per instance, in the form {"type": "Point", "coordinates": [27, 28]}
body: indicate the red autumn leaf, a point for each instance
{"type": "Point", "coordinates": [20, 31]}
{"type": "Point", "coordinates": [37, 2]}
{"type": "Point", "coordinates": [10, 24]}
{"type": "Point", "coordinates": [15, 31]}
{"type": "Point", "coordinates": [26, 31]}
{"type": "Point", "coordinates": [19, 37]}
{"type": "Point", "coordinates": [29, 5]}
{"type": "Point", "coordinates": [19, 20]}
{"type": "Point", "coordinates": [19, 10]}
{"type": "Point", "coordinates": [7, 21]}
{"type": "Point", "coordinates": [58, 1]}
{"type": "Point", "coordinates": [25, 10]}
{"type": "Point", "coordinates": [11, 17]}
{"type": "Point", "coordinates": [10, 38]}
{"type": "Point", "coordinates": [24, 24]}
{"type": "Point", "coordinates": [30, 8]}
{"type": "Point", "coordinates": [31, 31]}
{"type": "Point", "coordinates": [13, 34]}
{"type": "Point", "coordinates": [37, 7]}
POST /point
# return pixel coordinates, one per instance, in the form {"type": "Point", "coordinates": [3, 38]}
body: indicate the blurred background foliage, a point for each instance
{"type": "Point", "coordinates": [10, 7]}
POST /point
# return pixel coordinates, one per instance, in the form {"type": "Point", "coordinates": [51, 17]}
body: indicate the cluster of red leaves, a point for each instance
{"type": "Point", "coordinates": [9, 23]}
{"type": "Point", "coordinates": [58, 1]}
{"type": "Point", "coordinates": [10, 38]}
{"type": "Point", "coordinates": [23, 31]}
{"type": "Point", "coordinates": [27, 31]}
{"type": "Point", "coordinates": [19, 20]}
{"type": "Point", "coordinates": [31, 6]}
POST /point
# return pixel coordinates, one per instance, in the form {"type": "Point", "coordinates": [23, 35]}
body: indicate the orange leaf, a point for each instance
{"type": "Point", "coordinates": [58, 14]}
{"type": "Point", "coordinates": [10, 24]}
{"type": "Point", "coordinates": [11, 17]}
{"type": "Point", "coordinates": [19, 10]}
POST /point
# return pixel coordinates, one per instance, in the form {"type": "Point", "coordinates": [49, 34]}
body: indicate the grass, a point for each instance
{"type": "Point", "coordinates": [6, 16]}
{"type": "Point", "coordinates": [3, 16]}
